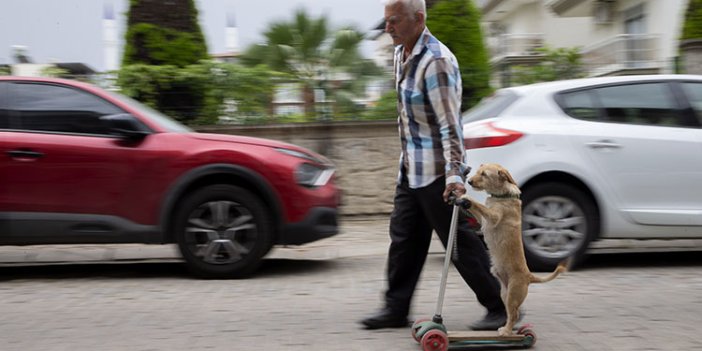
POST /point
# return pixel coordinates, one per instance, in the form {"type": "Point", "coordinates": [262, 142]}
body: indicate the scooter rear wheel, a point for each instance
{"type": "Point", "coordinates": [529, 337]}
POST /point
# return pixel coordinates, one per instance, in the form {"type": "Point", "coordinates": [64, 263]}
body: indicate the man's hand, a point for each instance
{"type": "Point", "coordinates": [457, 189]}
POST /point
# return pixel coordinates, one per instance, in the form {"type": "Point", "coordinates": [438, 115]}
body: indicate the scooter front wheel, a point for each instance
{"type": "Point", "coordinates": [417, 326]}
{"type": "Point", "coordinates": [435, 340]}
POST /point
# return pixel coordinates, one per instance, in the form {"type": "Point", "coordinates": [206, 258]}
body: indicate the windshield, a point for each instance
{"type": "Point", "coordinates": [159, 118]}
{"type": "Point", "coordinates": [490, 106]}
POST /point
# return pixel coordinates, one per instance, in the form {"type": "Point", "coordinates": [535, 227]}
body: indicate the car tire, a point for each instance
{"type": "Point", "coordinates": [223, 231]}
{"type": "Point", "coordinates": [558, 222]}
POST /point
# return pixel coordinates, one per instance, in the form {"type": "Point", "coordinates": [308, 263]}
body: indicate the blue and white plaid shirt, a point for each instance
{"type": "Point", "coordinates": [428, 84]}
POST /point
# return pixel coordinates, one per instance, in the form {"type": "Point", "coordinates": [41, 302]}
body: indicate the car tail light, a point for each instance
{"type": "Point", "coordinates": [487, 135]}
{"type": "Point", "coordinates": [472, 222]}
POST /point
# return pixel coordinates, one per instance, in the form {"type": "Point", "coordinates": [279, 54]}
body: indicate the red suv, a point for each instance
{"type": "Point", "coordinates": [80, 164]}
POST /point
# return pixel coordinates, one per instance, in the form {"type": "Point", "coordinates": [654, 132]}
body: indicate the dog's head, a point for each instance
{"type": "Point", "coordinates": [495, 180]}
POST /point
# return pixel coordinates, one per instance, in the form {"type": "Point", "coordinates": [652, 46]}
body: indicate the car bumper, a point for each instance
{"type": "Point", "coordinates": [320, 223]}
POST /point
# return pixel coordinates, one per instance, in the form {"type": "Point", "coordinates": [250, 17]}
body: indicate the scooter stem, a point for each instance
{"type": "Point", "coordinates": [447, 261]}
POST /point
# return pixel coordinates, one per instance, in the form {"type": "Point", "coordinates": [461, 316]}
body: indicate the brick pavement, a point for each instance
{"type": "Point", "coordinates": [310, 298]}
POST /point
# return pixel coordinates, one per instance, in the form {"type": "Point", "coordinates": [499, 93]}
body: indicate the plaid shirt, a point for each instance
{"type": "Point", "coordinates": [428, 87]}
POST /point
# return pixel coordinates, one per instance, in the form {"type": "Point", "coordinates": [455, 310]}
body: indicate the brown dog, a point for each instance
{"type": "Point", "coordinates": [501, 222]}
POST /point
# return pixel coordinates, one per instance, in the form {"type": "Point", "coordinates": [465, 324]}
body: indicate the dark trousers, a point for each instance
{"type": "Point", "coordinates": [416, 213]}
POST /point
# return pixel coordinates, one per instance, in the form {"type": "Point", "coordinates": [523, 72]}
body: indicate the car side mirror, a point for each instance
{"type": "Point", "coordinates": [125, 126]}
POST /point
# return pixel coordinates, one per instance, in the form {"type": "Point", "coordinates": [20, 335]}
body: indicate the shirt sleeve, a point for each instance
{"type": "Point", "coordinates": [443, 85]}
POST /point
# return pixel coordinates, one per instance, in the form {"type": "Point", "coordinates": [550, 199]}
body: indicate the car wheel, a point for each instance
{"type": "Point", "coordinates": [558, 221]}
{"type": "Point", "coordinates": [223, 231]}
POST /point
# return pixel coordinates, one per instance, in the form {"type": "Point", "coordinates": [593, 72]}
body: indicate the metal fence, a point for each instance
{"type": "Point", "coordinates": [622, 52]}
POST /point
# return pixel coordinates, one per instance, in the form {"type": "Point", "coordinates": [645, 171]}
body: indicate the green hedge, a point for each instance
{"type": "Point", "coordinates": [692, 27]}
{"type": "Point", "coordinates": [201, 93]}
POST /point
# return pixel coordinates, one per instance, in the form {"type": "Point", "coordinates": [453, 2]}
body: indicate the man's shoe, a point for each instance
{"type": "Point", "coordinates": [494, 320]}
{"type": "Point", "coordinates": [491, 321]}
{"type": "Point", "coordinates": [386, 318]}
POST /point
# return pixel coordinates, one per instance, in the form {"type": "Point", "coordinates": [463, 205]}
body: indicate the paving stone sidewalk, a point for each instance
{"type": "Point", "coordinates": [311, 298]}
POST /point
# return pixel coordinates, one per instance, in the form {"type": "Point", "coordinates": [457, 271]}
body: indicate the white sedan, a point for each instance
{"type": "Point", "coordinates": [596, 158]}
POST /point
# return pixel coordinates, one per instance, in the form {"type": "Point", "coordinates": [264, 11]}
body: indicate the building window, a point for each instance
{"type": "Point", "coordinates": [635, 29]}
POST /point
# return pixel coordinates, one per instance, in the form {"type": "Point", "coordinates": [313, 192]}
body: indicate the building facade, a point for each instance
{"type": "Point", "coordinates": [614, 37]}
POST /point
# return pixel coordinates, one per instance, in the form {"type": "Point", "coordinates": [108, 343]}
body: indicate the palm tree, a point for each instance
{"type": "Point", "coordinates": [306, 49]}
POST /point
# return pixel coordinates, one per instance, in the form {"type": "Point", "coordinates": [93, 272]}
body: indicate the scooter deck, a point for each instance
{"type": "Point", "coordinates": [434, 337]}
{"type": "Point", "coordinates": [482, 336]}
{"type": "Point", "coordinates": [525, 338]}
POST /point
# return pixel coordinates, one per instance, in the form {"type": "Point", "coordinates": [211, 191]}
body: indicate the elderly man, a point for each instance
{"type": "Point", "coordinates": [428, 84]}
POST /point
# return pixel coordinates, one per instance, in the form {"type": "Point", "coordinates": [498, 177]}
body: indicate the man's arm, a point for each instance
{"type": "Point", "coordinates": [442, 81]}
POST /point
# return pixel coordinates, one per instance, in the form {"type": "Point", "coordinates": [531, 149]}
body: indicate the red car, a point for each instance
{"type": "Point", "coordinates": [80, 164]}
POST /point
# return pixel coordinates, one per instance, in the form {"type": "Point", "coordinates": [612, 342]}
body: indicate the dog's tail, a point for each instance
{"type": "Point", "coordinates": [562, 268]}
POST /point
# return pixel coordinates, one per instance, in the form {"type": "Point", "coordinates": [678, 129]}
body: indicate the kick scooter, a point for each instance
{"type": "Point", "coordinates": [433, 335]}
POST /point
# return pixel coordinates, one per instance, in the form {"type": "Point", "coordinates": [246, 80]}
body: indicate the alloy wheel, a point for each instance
{"type": "Point", "coordinates": [554, 227]}
{"type": "Point", "coordinates": [220, 232]}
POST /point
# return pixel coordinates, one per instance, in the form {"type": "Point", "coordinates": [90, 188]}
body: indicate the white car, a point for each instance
{"type": "Point", "coordinates": [596, 158]}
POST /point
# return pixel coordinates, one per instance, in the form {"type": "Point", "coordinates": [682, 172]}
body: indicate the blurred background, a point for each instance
{"type": "Point", "coordinates": [317, 73]}
{"type": "Point", "coordinates": [209, 62]}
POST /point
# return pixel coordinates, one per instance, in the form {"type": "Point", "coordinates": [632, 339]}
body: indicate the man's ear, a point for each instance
{"type": "Point", "coordinates": [420, 17]}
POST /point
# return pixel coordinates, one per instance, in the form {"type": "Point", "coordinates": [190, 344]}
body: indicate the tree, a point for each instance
{"type": "Point", "coordinates": [691, 40]}
{"type": "Point", "coordinates": [163, 33]}
{"type": "Point", "coordinates": [319, 59]}
{"type": "Point", "coordinates": [166, 34]}
{"type": "Point", "coordinates": [692, 27]}
{"type": "Point", "coordinates": [456, 23]}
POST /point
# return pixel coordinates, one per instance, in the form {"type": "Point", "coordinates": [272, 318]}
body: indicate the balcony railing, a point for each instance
{"type": "Point", "coordinates": [509, 45]}
{"type": "Point", "coordinates": [622, 52]}
{"type": "Point", "coordinates": [561, 7]}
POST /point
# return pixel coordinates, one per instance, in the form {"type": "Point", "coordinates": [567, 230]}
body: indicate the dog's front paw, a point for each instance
{"type": "Point", "coordinates": [464, 202]}
{"type": "Point", "coordinates": [504, 331]}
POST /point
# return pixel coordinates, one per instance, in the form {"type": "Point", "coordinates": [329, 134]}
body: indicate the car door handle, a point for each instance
{"type": "Point", "coordinates": [24, 154]}
{"type": "Point", "coordinates": [603, 144]}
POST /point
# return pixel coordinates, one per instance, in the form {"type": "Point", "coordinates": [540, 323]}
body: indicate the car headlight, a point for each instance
{"type": "Point", "coordinates": [310, 174]}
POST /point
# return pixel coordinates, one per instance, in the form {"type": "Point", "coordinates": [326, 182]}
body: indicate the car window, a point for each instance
{"type": "Point", "coordinates": [491, 106]}
{"type": "Point", "coordinates": [155, 116]}
{"type": "Point", "coordinates": [4, 116]}
{"type": "Point", "coordinates": [693, 91]}
{"type": "Point", "coordinates": [641, 103]}
{"type": "Point", "coordinates": [646, 103]}
{"type": "Point", "coordinates": [53, 108]}
{"type": "Point", "coordinates": [580, 104]}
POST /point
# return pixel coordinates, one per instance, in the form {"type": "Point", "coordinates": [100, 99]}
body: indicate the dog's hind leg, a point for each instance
{"type": "Point", "coordinates": [503, 285]}
{"type": "Point", "coordinates": [516, 294]}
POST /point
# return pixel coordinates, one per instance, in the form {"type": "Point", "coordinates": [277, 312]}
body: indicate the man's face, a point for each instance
{"type": "Point", "coordinates": [401, 25]}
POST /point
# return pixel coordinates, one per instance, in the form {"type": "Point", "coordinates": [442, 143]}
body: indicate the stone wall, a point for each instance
{"type": "Point", "coordinates": [366, 155]}
{"type": "Point", "coordinates": [691, 51]}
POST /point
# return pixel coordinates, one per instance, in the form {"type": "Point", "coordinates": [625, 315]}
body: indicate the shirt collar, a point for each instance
{"type": "Point", "coordinates": [419, 45]}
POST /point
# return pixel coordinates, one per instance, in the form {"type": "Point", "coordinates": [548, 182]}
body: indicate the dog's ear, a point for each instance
{"type": "Point", "coordinates": [504, 175]}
